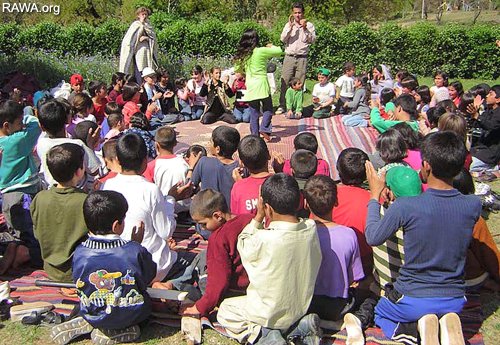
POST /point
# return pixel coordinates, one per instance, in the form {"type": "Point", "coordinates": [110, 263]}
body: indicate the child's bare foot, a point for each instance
{"type": "Point", "coordinates": [22, 256]}
{"type": "Point", "coordinates": [163, 285]}
{"type": "Point", "coordinates": [266, 137]}
{"type": "Point", "coordinates": [8, 257]}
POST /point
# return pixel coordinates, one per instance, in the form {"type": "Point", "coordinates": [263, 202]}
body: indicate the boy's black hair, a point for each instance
{"type": "Point", "coordinates": [409, 83]}
{"type": "Point", "coordinates": [206, 202]}
{"type": "Point", "coordinates": [402, 74]}
{"type": "Point", "coordinates": [464, 183]}
{"type": "Point", "coordinates": [281, 192]}
{"type": "Point", "coordinates": [102, 208]}
{"type": "Point", "coordinates": [95, 86]}
{"type": "Point", "coordinates": [129, 90]}
{"type": "Point", "coordinates": [445, 152]}
{"type": "Point", "coordinates": [433, 115]}
{"type": "Point", "coordinates": [425, 93]}
{"type": "Point", "coordinates": [139, 120]}
{"type": "Point", "coordinates": [166, 137]}
{"type": "Point", "coordinates": [82, 130]}
{"type": "Point", "coordinates": [131, 152]}
{"type": "Point", "coordinates": [114, 119]}
{"type": "Point", "coordinates": [195, 149]}
{"type": "Point", "coordinates": [387, 95]}
{"type": "Point", "coordinates": [447, 105]}
{"type": "Point", "coordinates": [45, 98]}
{"type": "Point", "coordinates": [320, 193]}
{"type": "Point", "coordinates": [197, 69]}
{"type": "Point", "coordinates": [408, 105]}
{"type": "Point", "coordinates": [298, 5]}
{"type": "Point", "coordinates": [351, 166]}
{"type": "Point", "coordinates": [479, 90]}
{"type": "Point", "coordinates": [409, 135]}
{"type": "Point", "coordinates": [466, 99]}
{"type": "Point", "coordinates": [53, 116]}
{"type": "Point", "coordinates": [64, 160]}
{"type": "Point", "coordinates": [496, 90]}
{"type": "Point", "coordinates": [293, 82]}
{"type": "Point", "coordinates": [10, 111]}
{"type": "Point", "coordinates": [109, 149]}
{"type": "Point", "coordinates": [180, 82]}
{"type": "Point", "coordinates": [111, 108]}
{"type": "Point", "coordinates": [304, 164]}
{"type": "Point", "coordinates": [116, 77]}
{"type": "Point", "coordinates": [348, 66]}
{"type": "Point", "coordinates": [253, 152]}
{"type": "Point", "coordinates": [306, 141]}
{"type": "Point", "coordinates": [227, 139]}
{"type": "Point", "coordinates": [391, 146]}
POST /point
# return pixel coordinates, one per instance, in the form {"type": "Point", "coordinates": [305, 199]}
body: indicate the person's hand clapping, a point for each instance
{"type": "Point", "coordinates": [138, 233]}
{"type": "Point", "coordinates": [303, 23]}
{"type": "Point", "coordinates": [376, 183]}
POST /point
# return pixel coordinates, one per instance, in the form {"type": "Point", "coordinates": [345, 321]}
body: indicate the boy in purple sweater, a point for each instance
{"type": "Point", "coordinates": [437, 229]}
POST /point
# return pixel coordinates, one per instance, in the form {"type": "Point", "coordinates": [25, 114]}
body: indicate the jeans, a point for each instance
{"type": "Point", "coordinates": [197, 111]}
{"type": "Point", "coordinates": [255, 106]}
{"type": "Point", "coordinates": [354, 121]}
{"type": "Point", "coordinates": [242, 114]}
{"type": "Point", "coordinates": [478, 165]}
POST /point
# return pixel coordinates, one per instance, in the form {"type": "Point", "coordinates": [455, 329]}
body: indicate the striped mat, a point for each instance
{"type": "Point", "coordinates": [333, 137]}
{"type": "Point", "coordinates": [470, 317]}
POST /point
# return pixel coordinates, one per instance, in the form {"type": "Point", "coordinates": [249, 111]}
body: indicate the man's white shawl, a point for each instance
{"type": "Point", "coordinates": [144, 54]}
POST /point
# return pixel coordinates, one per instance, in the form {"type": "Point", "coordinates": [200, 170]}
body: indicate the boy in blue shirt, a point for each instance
{"type": "Point", "coordinates": [19, 182]}
{"type": "Point", "coordinates": [111, 276]}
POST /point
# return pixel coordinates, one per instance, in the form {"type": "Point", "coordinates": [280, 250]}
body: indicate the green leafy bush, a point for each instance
{"type": "Point", "coordinates": [462, 51]}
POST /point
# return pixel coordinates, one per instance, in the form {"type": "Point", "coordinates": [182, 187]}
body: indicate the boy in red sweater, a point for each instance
{"type": "Point", "coordinates": [223, 262]}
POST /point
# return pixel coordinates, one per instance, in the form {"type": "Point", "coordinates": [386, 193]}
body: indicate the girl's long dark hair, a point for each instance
{"type": "Point", "coordinates": [365, 82]}
{"type": "Point", "coordinates": [248, 41]}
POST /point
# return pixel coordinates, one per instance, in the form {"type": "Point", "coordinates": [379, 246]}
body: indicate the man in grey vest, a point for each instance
{"type": "Point", "coordinates": [298, 34]}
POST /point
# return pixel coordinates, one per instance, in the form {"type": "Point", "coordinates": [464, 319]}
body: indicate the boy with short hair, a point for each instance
{"type": "Point", "coordinates": [216, 172]}
{"type": "Point", "coordinates": [19, 182]}
{"type": "Point", "coordinates": [323, 96]}
{"type": "Point", "coordinates": [254, 155]}
{"type": "Point", "coordinates": [405, 111]}
{"type": "Point", "coordinates": [57, 213]}
{"type": "Point", "coordinates": [223, 262]}
{"type": "Point", "coordinates": [116, 125]}
{"type": "Point", "coordinates": [113, 167]}
{"type": "Point", "coordinates": [294, 98]}
{"type": "Point", "coordinates": [352, 198]}
{"type": "Point", "coordinates": [306, 141]}
{"type": "Point", "coordinates": [345, 88]}
{"type": "Point", "coordinates": [53, 119]}
{"type": "Point", "coordinates": [341, 263]}
{"type": "Point", "coordinates": [168, 169]}
{"type": "Point", "coordinates": [150, 206]}
{"type": "Point", "coordinates": [271, 306]}
{"type": "Point", "coordinates": [431, 281]}
{"type": "Point", "coordinates": [111, 276]}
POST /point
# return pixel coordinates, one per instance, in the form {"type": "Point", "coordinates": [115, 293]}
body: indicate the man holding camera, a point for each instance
{"type": "Point", "coordinates": [298, 34]}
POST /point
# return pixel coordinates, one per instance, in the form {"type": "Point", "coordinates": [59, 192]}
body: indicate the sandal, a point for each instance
{"type": "Point", "coordinates": [49, 318]}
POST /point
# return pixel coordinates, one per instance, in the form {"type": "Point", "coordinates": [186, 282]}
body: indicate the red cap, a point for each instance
{"type": "Point", "coordinates": [76, 79]}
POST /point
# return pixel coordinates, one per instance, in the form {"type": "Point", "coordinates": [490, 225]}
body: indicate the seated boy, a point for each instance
{"type": "Point", "coordinates": [303, 165]}
{"type": "Point", "coordinates": [19, 182]}
{"type": "Point", "coordinates": [282, 262]}
{"type": "Point", "coordinates": [168, 169]}
{"type": "Point", "coordinates": [223, 262]}
{"type": "Point", "coordinates": [406, 111]}
{"type": "Point", "coordinates": [305, 141]}
{"type": "Point", "coordinates": [431, 281]}
{"type": "Point", "coordinates": [57, 213]}
{"type": "Point", "coordinates": [53, 118]}
{"type": "Point", "coordinates": [147, 205]}
{"type": "Point", "coordinates": [341, 263]}
{"type": "Point", "coordinates": [111, 276]}
{"type": "Point", "coordinates": [216, 172]}
{"type": "Point", "coordinates": [352, 199]}
{"type": "Point", "coordinates": [254, 155]}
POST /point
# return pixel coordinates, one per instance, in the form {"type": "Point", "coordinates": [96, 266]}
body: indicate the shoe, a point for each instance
{"type": "Point", "coordinates": [115, 336]}
{"type": "Point", "coordinates": [67, 331]}
{"type": "Point", "coordinates": [272, 337]}
{"type": "Point", "coordinates": [354, 331]}
{"type": "Point", "coordinates": [279, 111]}
{"type": "Point", "coordinates": [428, 329]}
{"type": "Point", "coordinates": [451, 330]}
{"type": "Point", "coordinates": [308, 330]}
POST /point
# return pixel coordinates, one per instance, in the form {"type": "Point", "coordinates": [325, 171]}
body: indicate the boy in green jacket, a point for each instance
{"type": "Point", "coordinates": [406, 111]}
{"type": "Point", "coordinates": [294, 97]}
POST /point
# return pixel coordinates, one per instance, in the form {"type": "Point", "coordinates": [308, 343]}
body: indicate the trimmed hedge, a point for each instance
{"type": "Point", "coordinates": [462, 51]}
